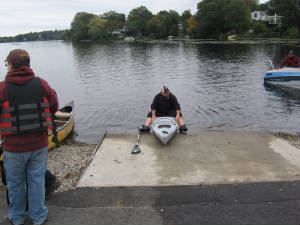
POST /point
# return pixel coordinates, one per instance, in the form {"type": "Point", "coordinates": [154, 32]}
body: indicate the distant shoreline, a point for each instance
{"type": "Point", "coordinates": [236, 40]}
{"type": "Point", "coordinates": [214, 41]}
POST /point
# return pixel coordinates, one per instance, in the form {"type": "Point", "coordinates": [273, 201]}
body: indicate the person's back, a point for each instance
{"type": "Point", "coordinates": [290, 61]}
{"type": "Point", "coordinates": [26, 103]}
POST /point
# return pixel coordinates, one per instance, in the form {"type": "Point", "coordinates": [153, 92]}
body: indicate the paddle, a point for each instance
{"type": "Point", "coordinates": [136, 148]}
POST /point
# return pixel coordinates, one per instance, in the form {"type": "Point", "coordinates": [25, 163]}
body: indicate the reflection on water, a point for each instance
{"type": "Point", "coordinates": [219, 85]}
{"type": "Point", "coordinates": [286, 93]}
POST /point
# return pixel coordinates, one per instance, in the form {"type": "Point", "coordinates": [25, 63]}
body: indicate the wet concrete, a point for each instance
{"type": "Point", "coordinates": [212, 157]}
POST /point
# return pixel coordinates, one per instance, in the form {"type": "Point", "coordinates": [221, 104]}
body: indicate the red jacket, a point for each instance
{"type": "Point", "coordinates": [291, 61]}
{"type": "Point", "coordinates": [31, 141]}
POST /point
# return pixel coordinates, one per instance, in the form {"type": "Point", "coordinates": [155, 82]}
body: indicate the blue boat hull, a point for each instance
{"type": "Point", "coordinates": [287, 77]}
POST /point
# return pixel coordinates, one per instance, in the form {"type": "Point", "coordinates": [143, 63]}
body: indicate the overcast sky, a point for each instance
{"type": "Point", "coordinates": [24, 16]}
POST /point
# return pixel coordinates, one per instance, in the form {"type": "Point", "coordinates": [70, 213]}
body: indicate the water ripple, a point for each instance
{"type": "Point", "coordinates": [219, 86]}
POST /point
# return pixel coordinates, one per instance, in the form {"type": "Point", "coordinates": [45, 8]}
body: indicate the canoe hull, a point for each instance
{"type": "Point", "coordinates": [65, 127]}
{"type": "Point", "coordinates": [164, 128]}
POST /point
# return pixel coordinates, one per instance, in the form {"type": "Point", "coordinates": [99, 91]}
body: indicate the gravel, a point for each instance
{"type": "Point", "coordinates": [293, 139]}
{"type": "Point", "coordinates": [68, 162]}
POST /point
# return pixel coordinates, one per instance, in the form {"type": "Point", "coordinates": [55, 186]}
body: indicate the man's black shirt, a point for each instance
{"type": "Point", "coordinates": [165, 105]}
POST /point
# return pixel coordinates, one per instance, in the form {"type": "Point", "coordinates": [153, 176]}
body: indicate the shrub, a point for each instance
{"type": "Point", "coordinates": [293, 32]}
{"type": "Point", "coordinates": [259, 28]}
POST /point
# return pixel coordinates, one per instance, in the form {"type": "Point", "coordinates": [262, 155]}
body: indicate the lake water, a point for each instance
{"type": "Point", "coordinates": [219, 85]}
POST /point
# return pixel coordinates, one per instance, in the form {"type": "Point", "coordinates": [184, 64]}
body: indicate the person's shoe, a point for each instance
{"type": "Point", "coordinates": [42, 222]}
{"type": "Point", "coordinates": [183, 128]}
{"type": "Point", "coordinates": [144, 129]}
{"type": "Point", "coordinates": [51, 188]}
{"type": "Point", "coordinates": [15, 223]}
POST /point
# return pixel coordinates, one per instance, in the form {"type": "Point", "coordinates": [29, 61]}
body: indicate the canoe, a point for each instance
{"type": "Point", "coordinates": [64, 123]}
{"type": "Point", "coordinates": [164, 128]}
{"type": "Point", "coordinates": [286, 77]}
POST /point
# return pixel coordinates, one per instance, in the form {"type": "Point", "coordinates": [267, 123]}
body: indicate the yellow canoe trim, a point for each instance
{"type": "Point", "coordinates": [66, 115]}
{"type": "Point", "coordinates": [61, 134]}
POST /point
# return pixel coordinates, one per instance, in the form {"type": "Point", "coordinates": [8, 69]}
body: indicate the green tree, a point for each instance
{"type": "Point", "coordinates": [209, 18]}
{"type": "Point", "coordinates": [98, 28]}
{"type": "Point", "coordinates": [289, 10]}
{"type": "Point", "coordinates": [164, 24]}
{"type": "Point", "coordinates": [79, 26]}
{"type": "Point", "coordinates": [115, 21]}
{"type": "Point", "coordinates": [172, 21]}
{"type": "Point", "coordinates": [236, 16]}
{"type": "Point", "coordinates": [35, 36]}
{"type": "Point", "coordinates": [263, 7]}
{"type": "Point", "coordinates": [215, 17]}
{"type": "Point", "coordinates": [137, 20]}
{"type": "Point", "coordinates": [66, 35]}
{"type": "Point", "coordinates": [169, 23]}
{"type": "Point", "coordinates": [252, 4]}
{"type": "Point", "coordinates": [163, 17]}
{"type": "Point", "coordinates": [154, 26]}
{"type": "Point", "coordinates": [184, 20]}
{"type": "Point", "coordinates": [192, 26]}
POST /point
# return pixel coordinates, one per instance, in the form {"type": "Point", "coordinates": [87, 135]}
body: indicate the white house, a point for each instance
{"type": "Point", "coordinates": [274, 19]}
{"type": "Point", "coordinates": [262, 16]}
{"type": "Point", "coordinates": [130, 38]}
{"type": "Point", "coordinates": [259, 15]}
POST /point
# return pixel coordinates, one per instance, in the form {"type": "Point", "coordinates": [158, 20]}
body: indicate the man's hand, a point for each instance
{"type": "Point", "coordinates": [177, 118]}
{"type": "Point", "coordinates": [153, 114]}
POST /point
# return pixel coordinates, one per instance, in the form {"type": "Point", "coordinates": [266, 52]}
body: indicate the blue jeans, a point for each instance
{"type": "Point", "coordinates": [18, 166]}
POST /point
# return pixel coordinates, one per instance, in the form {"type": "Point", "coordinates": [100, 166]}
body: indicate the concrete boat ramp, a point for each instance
{"type": "Point", "coordinates": [212, 177]}
{"type": "Point", "coordinates": [197, 158]}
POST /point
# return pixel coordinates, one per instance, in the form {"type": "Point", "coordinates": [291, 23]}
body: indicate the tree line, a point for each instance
{"type": "Point", "coordinates": [213, 19]}
{"type": "Point", "coordinates": [34, 36]}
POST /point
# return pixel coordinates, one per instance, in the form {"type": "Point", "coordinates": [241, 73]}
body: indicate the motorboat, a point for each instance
{"type": "Point", "coordinates": [164, 128]}
{"type": "Point", "coordinates": [286, 77]}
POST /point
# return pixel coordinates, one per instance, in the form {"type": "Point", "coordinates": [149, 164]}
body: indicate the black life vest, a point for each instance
{"type": "Point", "coordinates": [26, 110]}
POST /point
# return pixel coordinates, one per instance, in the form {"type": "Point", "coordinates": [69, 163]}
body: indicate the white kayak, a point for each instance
{"type": "Point", "coordinates": [164, 128]}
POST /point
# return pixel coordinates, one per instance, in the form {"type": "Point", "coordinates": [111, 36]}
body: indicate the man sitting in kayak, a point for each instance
{"type": "Point", "coordinates": [291, 60]}
{"type": "Point", "coordinates": [165, 104]}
